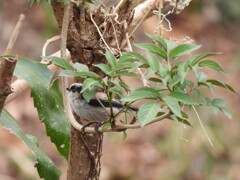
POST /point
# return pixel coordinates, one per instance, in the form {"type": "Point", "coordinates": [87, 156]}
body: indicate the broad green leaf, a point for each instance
{"type": "Point", "coordinates": [173, 105]}
{"type": "Point", "coordinates": [141, 93]}
{"type": "Point", "coordinates": [89, 93]}
{"type": "Point", "coordinates": [62, 63]}
{"type": "Point", "coordinates": [182, 49]}
{"type": "Point", "coordinates": [45, 167]}
{"type": "Point", "coordinates": [129, 56]}
{"type": "Point", "coordinates": [197, 94]}
{"type": "Point", "coordinates": [116, 91]}
{"type": "Point", "coordinates": [125, 73]}
{"type": "Point", "coordinates": [120, 84]}
{"type": "Point", "coordinates": [68, 73]}
{"type": "Point", "coordinates": [167, 45]}
{"type": "Point", "coordinates": [226, 112]}
{"type": "Point", "coordinates": [211, 64]}
{"type": "Point", "coordinates": [201, 77]}
{"type": "Point", "coordinates": [196, 58]}
{"type": "Point", "coordinates": [182, 97]}
{"type": "Point", "coordinates": [152, 48]}
{"type": "Point", "coordinates": [111, 59]}
{"type": "Point", "coordinates": [87, 83]}
{"type": "Point", "coordinates": [88, 74]}
{"type": "Point", "coordinates": [80, 67]}
{"type": "Point", "coordinates": [181, 120]}
{"type": "Point", "coordinates": [147, 112]}
{"type": "Point", "coordinates": [149, 72]}
{"type": "Point", "coordinates": [153, 62]}
{"type": "Point", "coordinates": [104, 67]}
{"type": "Point", "coordinates": [49, 102]}
{"type": "Point", "coordinates": [221, 84]}
{"type": "Point", "coordinates": [218, 102]}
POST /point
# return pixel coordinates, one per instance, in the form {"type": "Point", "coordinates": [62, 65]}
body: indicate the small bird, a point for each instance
{"type": "Point", "coordinates": [93, 111]}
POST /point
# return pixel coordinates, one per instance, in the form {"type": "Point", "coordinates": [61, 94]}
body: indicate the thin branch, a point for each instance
{"type": "Point", "coordinates": [6, 73]}
{"type": "Point", "coordinates": [55, 38]}
{"type": "Point", "coordinates": [14, 35]}
{"type": "Point", "coordinates": [204, 130]}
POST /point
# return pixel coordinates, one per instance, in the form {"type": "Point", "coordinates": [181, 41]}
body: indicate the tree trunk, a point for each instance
{"type": "Point", "coordinates": [88, 44]}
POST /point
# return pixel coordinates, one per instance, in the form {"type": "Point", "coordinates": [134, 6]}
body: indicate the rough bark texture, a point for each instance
{"type": "Point", "coordinates": [6, 73]}
{"type": "Point", "coordinates": [86, 46]}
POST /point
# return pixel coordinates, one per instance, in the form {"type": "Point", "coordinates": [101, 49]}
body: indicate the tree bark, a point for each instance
{"type": "Point", "coordinates": [6, 73]}
{"type": "Point", "coordinates": [87, 44]}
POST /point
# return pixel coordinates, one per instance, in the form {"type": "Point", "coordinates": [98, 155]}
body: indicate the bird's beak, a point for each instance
{"type": "Point", "coordinates": [67, 89]}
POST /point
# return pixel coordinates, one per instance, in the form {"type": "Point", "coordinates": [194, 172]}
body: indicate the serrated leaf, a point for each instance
{"type": "Point", "coordinates": [125, 73]}
{"type": "Point", "coordinates": [104, 67]}
{"type": "Point", "coordinates": [147, 112]}
{"type": "Point", "coordinates": [152, 48]}
{"type": "Point", "coordinates": [88, 74]}
{"type": "Point", "coordinates": [87, 83]}
{"type": "Point", "coordinates": [211, 64]}
{"type": "Point", "coordinates": [68, 73]}
{"type": "Point", "coordinates": [80, 67]}
{"type": "Point", "coordinates": [173, 105]}
{"type": "Point", "coordinates": [153, 62]}
{"type": "Point", "coordinates": [60, 62]}
{"type": "Point", "coordinates": [111, 59]}
{"type": "Point", "coordinates": [89, 93]}
{"type": "Point", "coordinates": [183, 49]}
{"type": "Point", "coordinates": [182, 97]}
{"type": "Point", "coordinates": [45, 167]}
{"type": "Point", "coordinates": [116, 91]}
{"type": "Point", "coordinates": [141, 93]}
{"type": "Point", "coordinates": [196, 58]}
{"type": "Point", "coordinates": [167, 45]}
{"type": "Point", "coordinates": [221, 84]}
{"type": "Point", "coordinates": [197, 94]}
{"type": "Point", "coordinates": [218, 102]}
{"type": "Point", "coordinates": [49, 102]}
{"type": "Point", "coordinates": [132, 56]}
{"type": "Point", "coordinates": [226, 112]}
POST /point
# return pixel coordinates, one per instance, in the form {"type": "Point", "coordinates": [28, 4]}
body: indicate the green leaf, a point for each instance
{"type": "Point", "coordinates": [104, 67]}
{"type": "Point", "coordinates": [116, 91]}
{"type": "Point", "coordinates": [173, 105]}
{"type": "Point", "coordinates": [49, 102]}
{"type": "Point", "coordinates": [147, 112]}
{"type": "Point", "coordinates": [182, 97]}
{"type": "Point", "coordinates": [125, 73]}
{"type": "Point", "coordinates": [111, 59]}
{"type": "Point", "coordinates": [197, 94]}
{"type": "Point", "coordinates": [196, 58]}
{"type": "Point", "coordinates": [155, 79]}
{"type": "Point", "coordinates": [152, 48]}
{"type": "Point", "coordinates": [218, 102]}
{"type": "Point", "coordinates": [153, 62]}
{"type": "Point", "coordinates": [87, 83]}
{"type": "Point", "coordinates": [60, 62]}
{"type": "Point", "coordinates": [167, 45]}
{"type": "Point", "coordinates": [141, 93]}
{"type": "Point", "coordinates": [211, 64]}
{"type": "Point", "coordinates": [68, 73]}
{"type": "Point", "coordinates": [226, 112]}
{"type": "Point", "coordinates": [182, 49]}
{"type": "Point", "coordinates": [221, 84]}
{"type": "Point", "coordinates": [80, 67]}
{"type": "Point", "coordinates": [89, 93]}
{"type": "Point", "coordinates": [120, 84]}
{"type": "Point", "coordinates": [45, 167]}
{"type": "Point", "coordinates": [181, 120]}
{"type": "Point", "coordinates": [132, 56]}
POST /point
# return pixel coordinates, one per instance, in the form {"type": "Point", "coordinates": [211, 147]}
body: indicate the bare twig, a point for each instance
{"type": "Point", "coordinates": [63, 45]}
{"type": "Point", "coordinates": [6, 73]}
{"type": "Point", "coordinates": [48, 42]}
{"type": "Point", "coordinates": [14, 36]}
